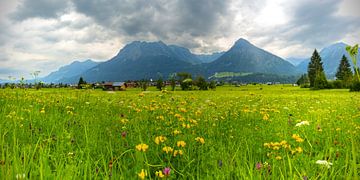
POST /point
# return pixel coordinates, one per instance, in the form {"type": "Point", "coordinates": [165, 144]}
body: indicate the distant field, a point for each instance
{"type": "Point", "coordinates": [247, 132]}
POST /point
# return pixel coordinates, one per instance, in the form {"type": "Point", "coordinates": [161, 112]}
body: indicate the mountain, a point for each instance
{"type": "Point", "coordinates": [142, 60]}
{"type": "Point", "coordinates": [295, 61]}
{"type": "Point", "coordinates": [207, 58]}
{"type": "Point", "coordinates": [245, 57]}
{"type": "Point", "coordinates": [331, 57]}
{"type": "Point", "coordinates": [73, 69]}
{"type": "Point", "coordinates": [184, 54]}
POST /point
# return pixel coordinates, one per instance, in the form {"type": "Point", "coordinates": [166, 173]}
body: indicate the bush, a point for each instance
{"type": "Point", "coordinates": [355, 86]}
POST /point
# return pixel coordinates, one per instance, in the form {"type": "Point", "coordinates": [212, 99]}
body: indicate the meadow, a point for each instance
{"type": "Point", "coordinates": [247, 132]}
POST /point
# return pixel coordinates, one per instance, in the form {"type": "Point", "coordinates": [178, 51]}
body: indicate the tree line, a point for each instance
{"type": "Point", "coordinates": [345, 78]}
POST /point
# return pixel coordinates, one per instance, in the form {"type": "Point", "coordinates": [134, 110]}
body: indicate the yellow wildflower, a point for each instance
{"type": "Point", "coordinates": [160, 139]}
{"type": "Point", "coordinates": [42, 110]}
{"type": "Point", "coordinates": [159, 174]}
{"type": "Point", "coordinates": [297, 138]}
{"type": "Point", "coordinates": [142, 174]}
{"type": "Point", "coordinates": [176, 132]}
{"type": "Point", "coordinates": [266, 117]}
{"type": "Point", "coordinates": [299, 150]}
{"type": "Point", "coordinates": [278, 157]}
{"type": "Point", "coordinates": [181, 143]}
{"type": "Point", "coordinates": [200, 139]}
{"type": "Point", "coordinates": [167, 149]}
{"type": "Point", "coordinates": [176, 152]}
{"type": "Point", "coordinates": [142, 147]}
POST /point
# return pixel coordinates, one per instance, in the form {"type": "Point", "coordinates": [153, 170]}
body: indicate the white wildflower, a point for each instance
{"type": "Point", "coordinates": [302, 123]}
{"type": "Point", "coordinates": [324, 162]}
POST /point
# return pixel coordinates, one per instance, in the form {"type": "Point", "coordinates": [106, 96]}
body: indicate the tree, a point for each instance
{"type": "Point", "coordinates": [185, 80]}
{"type": "Point", "coordinates": [160, 82]}
{"type": "Point", "coordinates": [81, 83]}
{"type": "Point", "coordinates": [303, 80]}
{"type": "Point", "coordinates": [143, 84]}
{"type": "Point", "coordinates": [344, 72]}
{"type": "Point", "coordinates": [316, 71]}
{"type": "Point", "coordinates": [201, 83]}
{"type": "Point", "coordinates": [172, 81]}
{"type": "Point", "coordinates": [212, 85]}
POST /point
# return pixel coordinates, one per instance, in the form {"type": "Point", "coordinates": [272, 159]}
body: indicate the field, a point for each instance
{"type": "Point", "coordinates": [247, 132]}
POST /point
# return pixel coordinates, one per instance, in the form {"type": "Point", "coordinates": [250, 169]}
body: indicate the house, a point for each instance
{"type": "Point", "coordinates": [114, 86]}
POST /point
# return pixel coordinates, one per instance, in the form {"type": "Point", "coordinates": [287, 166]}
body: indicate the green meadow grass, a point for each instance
{"type": "Point", "coordinates": [249, 132]}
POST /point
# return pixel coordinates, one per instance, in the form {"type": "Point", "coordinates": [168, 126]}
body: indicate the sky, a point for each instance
{"type": "Point", "coordinates": [43, 35]}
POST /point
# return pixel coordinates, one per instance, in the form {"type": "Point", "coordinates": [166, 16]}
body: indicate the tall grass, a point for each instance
{"type": "Point", "coordinates": [73, 134]}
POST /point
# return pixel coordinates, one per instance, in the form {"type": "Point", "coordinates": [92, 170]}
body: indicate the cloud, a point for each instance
{"type": "Point", "coordinates": [46, 34]}
{"type": "Point", "coordinates": [40, 8]}
{"type": "Point", "coordinates": [161, 20]}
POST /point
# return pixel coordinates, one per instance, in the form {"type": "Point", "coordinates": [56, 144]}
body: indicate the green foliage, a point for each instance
{"type": "Point", "coordinates": [353, 51]}
{"type": "Point", "coordinates": [303, 80]}
{"type": "Point", "coordinates": [172, 78]}
{"type": "Point", "coordinates": [160, 83]}
{"type": "Point", "coordinates": [201, 83]}
{"type": "Point", "coordinates": [355, 86]}
{"type": "Point", "coordinates": [185, 80]}
{"type": "Point", "coordinates": [320, 81]}
{"type": "Point", "coordinates": [315, 69]}
{"type": "Point", "coordinates": [144, 84]}
{"type": "Point", "coordinates": [91, 134]}
{"type": "Point", "coordinates": [212, 85]}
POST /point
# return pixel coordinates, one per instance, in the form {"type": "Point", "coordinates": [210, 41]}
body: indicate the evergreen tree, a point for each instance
{"type": "Point", "coordinates": [344, 70]}
{"type": "Point", "coordinates": [315, 69]}
{"type": "Point", "coordinates": [81, 82]}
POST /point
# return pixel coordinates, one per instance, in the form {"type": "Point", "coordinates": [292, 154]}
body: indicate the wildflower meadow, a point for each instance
{"type": "Point", "coordinates": [246, 132]}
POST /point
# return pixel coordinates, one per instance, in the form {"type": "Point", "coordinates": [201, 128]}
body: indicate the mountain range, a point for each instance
{"type": "Point", "coordinates": [330, 56]}
{"type": "Point", "coordinates": [149, 60]}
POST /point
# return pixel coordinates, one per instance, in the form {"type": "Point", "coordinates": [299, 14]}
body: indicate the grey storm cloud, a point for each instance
{"type": "Point", "coordinates": [40, 8]}
{"type": "Point", "coordinates": [316, 23]}
{"type": "Point", "coordinates": [160, 18]}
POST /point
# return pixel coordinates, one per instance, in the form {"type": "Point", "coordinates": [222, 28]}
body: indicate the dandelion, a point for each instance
{"type": "Point", "coordinates": [324, 163]}
{"type": "Point", "coordinates": [167, 149]}
{"type": "Point", "coordinates": [142, 174]}
{"type": "Point", "coordinates": [160, 139]}
{"type": "Point", "coordinates": [200, 139]}
{"type": "Point", "coordinates": [181, 143]}
{"type": "Point", "coordinates": [42, 110]}
{"type": "Point", "coordinates": [278, 157]}
{"type": "Point", "coordinates": [166, 171]}
{"type": "Point", "coordinates": [142, 147]}
{"type": "Point", "coordinates": [302, 123]}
